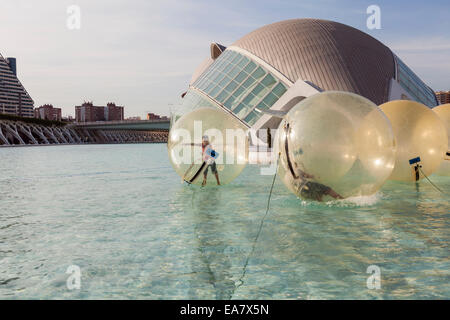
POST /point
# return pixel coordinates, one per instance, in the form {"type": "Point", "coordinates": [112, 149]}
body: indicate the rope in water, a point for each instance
{"type": "Point", "coordinates": [435, 186]}
{"type": "Point", "coordinates": [241, 279]}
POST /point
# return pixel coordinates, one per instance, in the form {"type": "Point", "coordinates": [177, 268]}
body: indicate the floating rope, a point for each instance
{"type": "Point", "coordinates": [435, 186]}
{"type": "Point", "coordinates": [241, 279]}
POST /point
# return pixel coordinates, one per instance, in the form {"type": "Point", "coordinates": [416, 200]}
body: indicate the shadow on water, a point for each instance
{"type": "Point", "coordinates": [212, 243]}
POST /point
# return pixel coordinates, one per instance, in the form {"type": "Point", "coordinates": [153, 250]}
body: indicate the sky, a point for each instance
{"type": "Point", "coordinates": [141, 53]}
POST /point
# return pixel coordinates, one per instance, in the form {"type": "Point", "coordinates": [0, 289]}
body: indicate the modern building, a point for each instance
{"type": "Point", "coordinates": [271, 69]}
{"type": "Point", "coordinates": [48, 112]}
{"type": "Point", "coordinates": [14, 99]}
{"type": "Point", "coordinates": [87, 112]}
{"type": "Point", "coordinates": [113, 112]}
{"type": "Point", "coordinates": [443, 97]}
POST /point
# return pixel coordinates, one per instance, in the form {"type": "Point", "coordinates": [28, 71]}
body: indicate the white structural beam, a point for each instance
{"type": "Point", "coordinates": [2, 137]}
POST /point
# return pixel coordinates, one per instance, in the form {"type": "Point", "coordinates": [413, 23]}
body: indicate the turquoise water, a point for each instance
{"type": "Point", "coordinates": [120, 213]}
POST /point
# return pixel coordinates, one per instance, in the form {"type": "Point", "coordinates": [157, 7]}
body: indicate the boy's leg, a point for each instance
{"type": "Point", "coordinates": [216, 174]}
{"type": "Point", "coordinates": [217, 178]}
{"type": "Point", "coordinates": [205, 175]}
{"type": "Point", "coordinates": [334, 194]}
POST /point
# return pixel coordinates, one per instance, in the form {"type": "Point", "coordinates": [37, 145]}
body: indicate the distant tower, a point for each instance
{"type": "Point", "coordinates": [12, 64]}
{"type": "Point", "coordinates": [14, 99]}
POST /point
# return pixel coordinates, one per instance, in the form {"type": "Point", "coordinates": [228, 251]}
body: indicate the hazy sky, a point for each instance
{"type": "Point", "coordinates": [141, 53]}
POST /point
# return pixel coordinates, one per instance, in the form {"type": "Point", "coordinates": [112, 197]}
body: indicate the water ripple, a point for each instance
{"type": "Point", "coordinates": [121, 215]}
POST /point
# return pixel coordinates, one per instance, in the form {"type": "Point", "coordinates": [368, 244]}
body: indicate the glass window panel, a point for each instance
{"type": "Point", "coordinates": [224, 54]}
{"type": "Point", "coordinates": [204, 77]}
{"type": "Point", "coordinates": [245, 106]}
{"type": "Point", "coordinates": [242, 112]}
{"type": "Point", "coordinates": [229, 55]}
{"type": "Point", "coordinates": [241, 76]}
{"type": "Point", "coordinates": [250, 100]}
{"type": "Point", "coordinates": [270, 99]}
{"type": "Point", "coordinates": [191, 101]}
{"type": "Point", "coordinates": [252, 117]}
{"type": "Point", "coordinates": [239, 108]}
{"type": "Point", "coordinates": [258, 73]}
{"type": "Point", "coordinates": [249, 83]}
{"type": "Point", "coordinates": [205, 82]}
{"type": "Point", "coordinates": [224, 81]}
{"type": "Point", "coordinates": [229, 103]}
{"type": "Point", "coordinates": [199, 83]}
{"type": "Point", "coordinates": [231, 86]}
{"type": "Point", "coordinates": [196, 82]}
{"type": "Point", "coordinates": [227, 68]}
{"type": "Point", "coordinates": [209, 87]}
{"type": "Point", "coordinates": [222, 96]}
{"type": "Point", "coordinates": [262, 106]}
{"type": "Point", "coordinates": [279, 90]}
{"type": "Point", "coordinates": [250, 67]}
{"type": "Point", "coordinates": [243, 62]}
{"type": "Point", "coordinates": [235, 59]}
{"type": "Point", "coordinates": [233, 72]}
{"type": "Point", "coordinates": [268, 81]}
{"type": "Point", "coordinates": [216, 77]}
{"type": "Point", "coordinates": [233, 101]}
{"type": "Point", "coordinates": [220, 64]}
{"type": "Point", "coordinates": [240, 93]}
{"type": "Point", "coordinates": [260, 91]}
{"type": "Point", "coordinates": [215, 91]}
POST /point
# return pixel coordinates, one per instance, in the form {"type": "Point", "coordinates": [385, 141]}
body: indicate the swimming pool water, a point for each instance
{"type": "Point", "coordinates": [121, 214]}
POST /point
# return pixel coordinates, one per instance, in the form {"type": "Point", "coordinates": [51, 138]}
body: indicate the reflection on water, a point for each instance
{"type": "Point", "coordinates": [136, 232]}
{"type": "Point", "coordinates": [212, 244]}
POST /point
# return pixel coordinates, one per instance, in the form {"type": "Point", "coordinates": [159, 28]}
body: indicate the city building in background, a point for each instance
{"type": "Point", "coordinates": [14, 99]}
{"type": "Point", "coordinates": [87, 112]}
{"type": "Point", "coordinates": [68, 118]}
{"type": "Point", "coordinates": [443, 97]}
{"type": "Point", "coordinates": [268, 71]}
{"type": "Point", "coordinates": [48, 112]}
{"type": "Point", "coordinates": [153, 116]}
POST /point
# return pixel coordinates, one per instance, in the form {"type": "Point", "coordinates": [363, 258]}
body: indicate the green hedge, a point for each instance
{"type": "Point", "coordinates": [48, 123]}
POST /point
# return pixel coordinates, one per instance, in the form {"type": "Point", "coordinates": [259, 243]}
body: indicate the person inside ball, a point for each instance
{"type": "Point", "coordinates": [209, 156]}
{"type": "Point", "coordinates": [310, 189]}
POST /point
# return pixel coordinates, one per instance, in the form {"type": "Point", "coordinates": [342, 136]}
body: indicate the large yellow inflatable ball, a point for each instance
{"type": "Point", "coordinates": [420, 135]}
{"type": "Point", "coordinates": [443, 112]}
{"type": "Point", "coordinates": [334, 145]}
{"type": "Point", "coordinates": [208, 147]}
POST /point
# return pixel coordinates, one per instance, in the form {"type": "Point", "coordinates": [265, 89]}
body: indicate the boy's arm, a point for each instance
{"type": "Point", "coordinates": [191, 144]}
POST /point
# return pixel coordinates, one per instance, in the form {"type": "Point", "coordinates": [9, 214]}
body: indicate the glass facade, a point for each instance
{"type": "Point", "coordinates": [240, 85]}
{"type": "Point", "coordinates": [192, 100]}
{"type": "Point", "coordinates": [415, 87]}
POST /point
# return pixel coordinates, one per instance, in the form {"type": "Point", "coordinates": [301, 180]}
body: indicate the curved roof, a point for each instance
{"type": "Point", "coordinates": [331, 55]}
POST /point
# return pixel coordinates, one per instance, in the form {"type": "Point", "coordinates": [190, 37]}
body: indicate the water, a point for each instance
{"type": "Point", "coordinates": [120, 213]}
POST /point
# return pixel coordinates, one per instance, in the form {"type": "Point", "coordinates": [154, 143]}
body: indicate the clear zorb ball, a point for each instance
{"type": "Point", "coordinates": [421, 139]}
{"type": "Point", "coordinates": [334, 145]}
{"type": "Point", "coordinates": [443, 112]}
{"type": "Point", "coordinates": [208, 147]}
